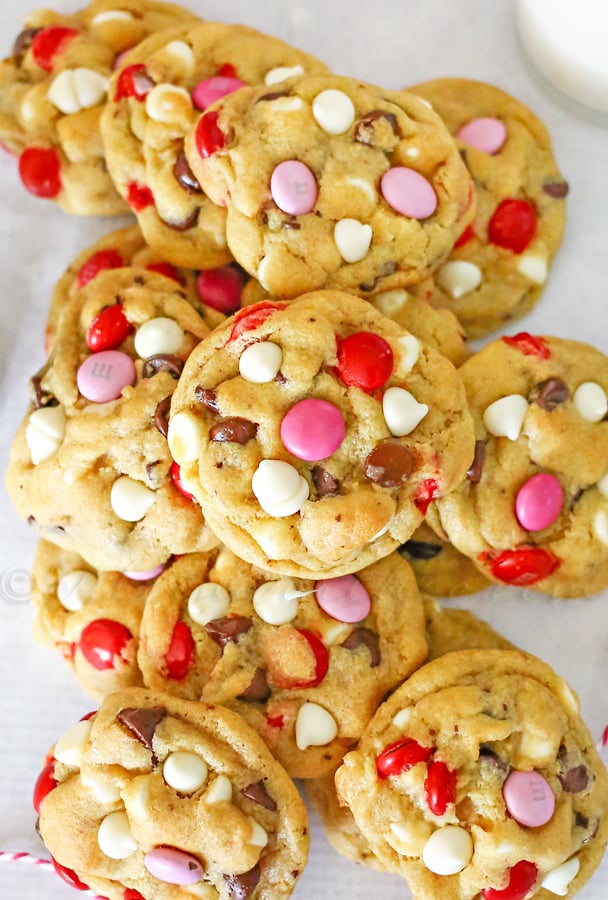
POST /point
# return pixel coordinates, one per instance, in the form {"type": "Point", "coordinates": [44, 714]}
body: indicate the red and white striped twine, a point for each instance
{"type": "Point", "coordinates": [24, 857]}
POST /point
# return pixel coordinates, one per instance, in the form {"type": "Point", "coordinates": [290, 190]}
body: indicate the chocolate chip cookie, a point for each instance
{"type": "Point", "coordinates": [439, 568]}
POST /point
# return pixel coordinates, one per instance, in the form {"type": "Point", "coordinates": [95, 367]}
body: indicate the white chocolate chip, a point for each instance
{"type": "Point", "coordinates": [70, 746]}
{"type": "Point", "coordinates": [569, 698]}
{"type": "Point", "coordinates": [130, 499]}
{"type": "Point", "coordinates": [448, 850]}
{"type": "Point", "coordinates": [185, 437]}
{"type": "Point", "coordinates": [104, 790]}
{"type": "Point", "coordinates": [158, 336]}
{"type": "Point", "coordinates": [207, 602]}
{"type": "Point", "coordinates": [401, 719]}
{"type": "Point", "coordinates": [185, 772]}
{"type": "Point", "coordinates": [590, 401]}
{"type": "Point", "coordinates": [181, 52]}
{"type": "Point", "coordinates": [286, 104]}
{"type": "Point", "coordinates": [279, 488]}
{"type": "Point", "coordinates": [557, 881]}
{"type": "Point", "coordinates": [412, 152]}
{"type": "Point", "coordinates": [353, 239]}
{"type": "Point", "coordinates": [76, 89]}
{"type": "Point", "coordinates": [600, 525]}
{"type": "Point", "coordinates": [76, 588]}
{"type": "Point", "coordinates": [168, 103]}
{"type": "Point", "coordinates": [275, 76]}
{"type": "Point", "coordinates": [333, 633]}
{"type": "Point", "coordinates": [390, 302]}
{"type": "Point", "coordinates": [45, 432]}
{"type": "Point", "coordinates": [259, 837]}
{"type": "Point", "coordinates": [276, 602]}
{"type": "Point", "coordinates": [139, 798]}
{"type": "Point", "coordinates": [537, 748]}
{"type": "Point", "coordinates": [260, 362]}
{"type": "Point", "coordinates": [409, 840]}
{"type": "Point", "coordinates": [111, 15]}
{"type": "Point", "coordinates": [362, 185]}
{"type": "Point", "coordinates": [410, 347]}
{"type": "Point", "coordinates": [533, 267]}
{"type": "Point", "coordinates": [602, 485]}
{"type": "Point", "coordinates": [402, 412]}
{"type": "Point", "coordinates": [315, 727]}
{"type": "Point", "coordinates": [114, 836]}
{"type": "Point", "coordinates": [219, 791]}
{"type": "Point", "coordinates": [334, 111]}
{"type": "Point", "coordinates": [459, 277]}
{"type": "Point", "coordinates": [505, 417]}
{"type": "Point", "coordinates": [261, 273]}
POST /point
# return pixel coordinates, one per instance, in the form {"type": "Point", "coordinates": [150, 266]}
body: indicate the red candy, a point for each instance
{"type": "Point", "coordinates": [40, 171]}
{"type": "Point", "coordinates": [178, 657]}
{"type": "Point", "coordinates": [522, 877]}
{"type": "Point", "coordinates": [129, 85]}
{"type": "Point", "coordinates": [101, 641]}
{"type": "Point", "coordinates": [166, 269]}
{"type": "Point", "coordinates": [401, 757]}
{"type": "Point", "coordinates": [467, 235]}
{"type": "Point", "coordinates": [44, 785]}
{"type": "Point", "coordinates": [227, 71]}
{"type": "Point", "coordinates": [365, 360]}
{"type": "Point", "coordinates": [275, 721]}
{"type": "Point", "coordinates": [139, 196]}
{"type": "Point", "coordinates": [103, 259]}
{"type": "Point", "coordinates": [513, 225]}
{"type": "Point", "coordinates": [528, 344]}
{"type": "Point", "coordinates": [427, 492]}
{"type": "Point", "coordinates": [605, 737]}
{"type": "Point", "coordinates": [523, 567]}
{"type": "Point", "coordinates": [69, 876]}
{"type": "Point", "coordinates": [49, 42]}
{"type": "Point", "coordinates": [108, 329]}
{"type": "Point", "coordinates": [176, 478]}
{"type": "Point", "coordinates": [440, 787]}
{"type": "Point", "coordinates": [252, 317]}
{"type": "Point", "coordinates": [132, 894]}
{"type": "Point", "coordinates": [220, 289]}
{"type": "Point", "coordinates": [209, 136]}
{"type": "Point", "coordinates": [321, 660]}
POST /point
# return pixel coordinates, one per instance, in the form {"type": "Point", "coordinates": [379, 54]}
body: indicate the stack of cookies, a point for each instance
{"type": "Point", "coordinates": [261, 444]}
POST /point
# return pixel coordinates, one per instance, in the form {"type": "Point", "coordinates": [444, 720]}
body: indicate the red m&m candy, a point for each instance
{"type": "Point", "coordinates": [513, 225]}
{"type": "Point", "coordinates": [209, 135]}
{"type": "Point", "coordinates": [321, 659]}
{"type": "Point", "coordinates": [525, 566]}
{"type": "Point", "coordinates": [49, 42]}
{"type": "Point", "coordinates": [365, 360]}
{"type": "Point", "coordinates": [176, 478]}
{"type": "Point", "coordinates": [221, 289]}
{"type": "Point", "coordinates": [178, 657]}
{"type": "Point", "coordinates": [102, 641]}
{"type": "Point", "coordinates": [69, 876]}
{"type": "Point", "coordinates": [40, 171]}
{"type": "Point", "coordinates": [166, 269]}
{"type": "Point", "coordinates": [139, 196]}
{"type": "Point", "coordinates": [252, 317]}
{"type": "Point", "coordinates": [440, 787]}
{"type": "Point", "coordinates": [45, 783]}
{"type": "Point", "coordinates": [108, 329]}
{"type": "Point", "coordinates": [103, 259]}
{"type": "Point", "coordinates": [522, 877]}
{"type": "Point", "coordinates": [401, 757]}
{"type": "Point", "coordinates": [133, 82]}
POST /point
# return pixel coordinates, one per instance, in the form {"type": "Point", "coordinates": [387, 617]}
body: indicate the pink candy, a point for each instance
{"type": "Point", "coordinates": [539, 502]}
{"type": "Point", "coordinates": [484, 134]}
{"type": "Point", "coordinates": [313, 429]}
{"type": "Point", "coordinates": [148, 575]}
{"type": "Point", "coordinates": [211, 89]}
{"type": "Point", "coordinates": [529, 798]}
{"type": "Point", "coordinates": [408, 192]}
{"type": "Point", "coordinates": [293, 187]}
{"type": "Point", "coordinates": [173, 866]}
{"type": "Point", "coordinates": [104, 375]}
{"type": "Point", "coordinates": [344, 598]}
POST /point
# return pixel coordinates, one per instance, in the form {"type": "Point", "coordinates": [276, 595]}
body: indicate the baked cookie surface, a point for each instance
{"type": "Point", "coordinates": [440, 569]}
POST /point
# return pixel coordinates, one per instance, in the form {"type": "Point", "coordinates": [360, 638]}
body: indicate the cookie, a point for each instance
{"type": "Point", "coordinates": [315, 433]}
{"type": "Point", "coordinates": [439, 568]}
{"type": "Point", "coordinates": [287, 655]}
{"type": "Point", "coordinates": [90, 468]}
{"type": "Point", "coordinates": [500, 264]}
{"type": "Point", "coordinates": [449, 629]}
{"type": "Point", "coordinates": [154, 796]}
{"type": "Point", "coordinates": [53, 89]}
{"type": "Point", "coordinates": [533, 510]}
{"type": "Point", "coordinates": [478, 777]}
{"type": "Point", "coordinates": [91, 617]}
{"type": "Point", "coordinates": [332, 183]}
{"type": "Point", "coordinates": [153, 101]}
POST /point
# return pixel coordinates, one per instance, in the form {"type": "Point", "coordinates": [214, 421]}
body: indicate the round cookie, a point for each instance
{"type": "Point", "coordinates": [500, 264]}
{"type": "Point", "coordinates": [439, 568]}
{"type": "Point", "coordinates": [53, 89]}
{"type": "Point", "coordinates": [153, 101]}
{"type": "Point", "coordinates": [332, 183]}
{"type": "Point", "coordinates": [91, 617]}
{"type": "Point", "coordinates": [287, 655]}
{"type": "Point", "coordinates": [155, 796]}
{"type": "Point", "coordinates": [478, 777]}
{"type": "Point", "coordinates": [315, 433]}
{"type": "Point", "coordinates": [90, 468]}
{"type": "Point", "coordinates": [533, 510]}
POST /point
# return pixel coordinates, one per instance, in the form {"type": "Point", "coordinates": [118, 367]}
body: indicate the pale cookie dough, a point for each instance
{"type": "Point", "coordinates": [153, 102]}
{"type": "Point", "coordinates": [53, 89]}
{"type": "Point", "coordinates": [316, 433]}
{"type": "Point", "coordinates": [332, 183]}
{"type": "Point", "coordinates": [289, 655]}
{"type": "Point", "coordinates": [478, 778]}
{"type": "Point", "coordinates": [533, 511]}
{"type": "Point", "coordinates": [439, 568]}
{"type": "Point", "coordinates": [90, 468]}
{"type": "Point", "coordinates": [159, 797]}
{"type": "Point", "coordinates": [500, 264]}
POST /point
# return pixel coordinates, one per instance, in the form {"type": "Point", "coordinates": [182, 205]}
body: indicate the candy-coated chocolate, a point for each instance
{"type": "Point", "coordinates": [40, 171]}
{"type": "Point", "coordinates": [513, 225]}
{"type": "Point", "coordinates": [529, 798]}
{"type": "Point", "coordinates": [221, 289]}
{"type": "Point", "coordinates": [467, 235]}
{"type": "Point", "coordinates": [400, 757]}
{"type": "Point", "coordinates": [104, 375]}
{"type": "Point", "coordinates": [109, 328]}
{"type": "Point", "coordinates": [365, 360]}
{"type": "Point", "coordinates": [173, 866]}
{"type": "Point", "coordinates": [525, 566]}
{"type": "Point", "coordinates": [148, 575]}
{"type": "Point", "coordinates": [293, 187]}
{"type": "Point", "coordinates": [133, 82]}
{"type": "Point", "coordinates": [49, 42]}
{"type": "Point", "coordinates": [344, 598]}
{"type": "Point", "coordinates": [209, 136]}
{"type": "Point", "coordinates": [522, 878]}
{"type": "Point", "coordinates": [166, 269]}
{"type": "Point", "coordinates": [321, 656]}
{"type": "Point", "coordinates": [45, 783]}
{"type": "Point", "coordinates": [313, 429]}
{"type": "Point", "coordinates": [176, 478]}
{"type": "Point", "coordinates": [101, 641]}
{"type": "Point", "coordinates": [103, 259]}
{"type": "Point", "coordinates": [211, 89]}
{"type": "Point", "coordinates": [69, 876]}
{"type": "Point", "coordinates": [528, 344]}
{"type": "Point", "coordinates": [408, 192]}
{"type": "Point", "coordinates": [440, 787]}
{"type": "Point", "coordinates": [139, 196]}
{"type": "Point", "coordinates": [178, 657]}
{"type": "Point", "coordinates": [485, 133]}
{"type": "Point", "coordinates": [253, 316]}
{"type": "Point", "coordinates": [539, 502]}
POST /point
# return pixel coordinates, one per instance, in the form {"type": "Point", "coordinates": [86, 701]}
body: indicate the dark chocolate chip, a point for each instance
{"type": "Point", "coordinates": [142, 82]}
{"type": "Point", "coordinates": [142, 722]}
{"type": "Point", "coordinates": [258, 688]}
{"type": "Point", "coordinates": [206, 397]}
{"type": "Point", "coordinates": [420, 549]}
{"type": "Point", "coordinates": [164, 362]}
{"type": "Point", "coordinates": [387, 268]}
{"type": "Point", "coordinates": [476, 468]}
{"type": "Point", "coordinates": [241, 887]}
{"type": "Point", "coordinates": [291, 225]}
{"type": "Point", "coordinates": [575, 780]}
{"type": "Point", "coordinates": [161, 415]}
{"type": "Point", "coordinates": [550, 393]}
{"type": "Point", "coordinates": [258, 793]}
{"type": "Point", "coordinates": [581, 821]}
{"type": "Point", "coordinates": [325, 483]}
{"type": "Point", "coordinates": [366, 130]}
{"type": "Point", "coordinates": [39, 396]}
{"type": "Point", "coordinates": [389, 464]}
{"type": "Point", "coordinates": [556, 189]}
{"type": "Point", "coordinates": [185, 176]}
{"type": "Point", "coordinates": [228, 629]}
{"type": "Point", "coordinates": [23, 41]}
{"type": "Point", "coordinates": [273, 95]}
{"type": "Point", "coordinates": [189, 222]}
{"type": "Point", "coordinates": [234, 431]}
{"type": "Point", "coordinates": [489, 756]}
{"type": "Point", "coordinates": [150, 473]}
{"type": "Point", "coordinates": [364, 637]}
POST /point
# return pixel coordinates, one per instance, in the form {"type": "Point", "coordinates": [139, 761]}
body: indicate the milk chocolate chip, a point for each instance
{"type": "Point", "coordinates": [234, 430]}
{"type": "Point", "coordinates": [389, 464]}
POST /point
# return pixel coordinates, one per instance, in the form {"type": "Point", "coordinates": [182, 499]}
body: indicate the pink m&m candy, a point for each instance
{"type": "Point", "coordinates": [293, 187]}
{"type": "Point", "coordinates": [173, 866]}
{"type": "Point", "coordinates": [539, 502]}
{"type": "Point", "coordinates": [529, 798]}
{"type": "Point", "coordinates": [344, 598]}
{"type": "Point", "coordinates": [485, 134]}
{"type": "Point", "coordinates": [313, 429]}
{"type": "Point", "coordinates": [148, 575]}
{"type": "Point", "coordinates": [211, 89]}
{"type": "Point", "coordinates": [408, 192]}
{"type": "Point", "coordinates": [104, 375]}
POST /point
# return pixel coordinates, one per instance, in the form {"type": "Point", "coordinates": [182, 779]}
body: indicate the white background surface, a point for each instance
{"type": "Point", "coordinates": [393, 44]}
